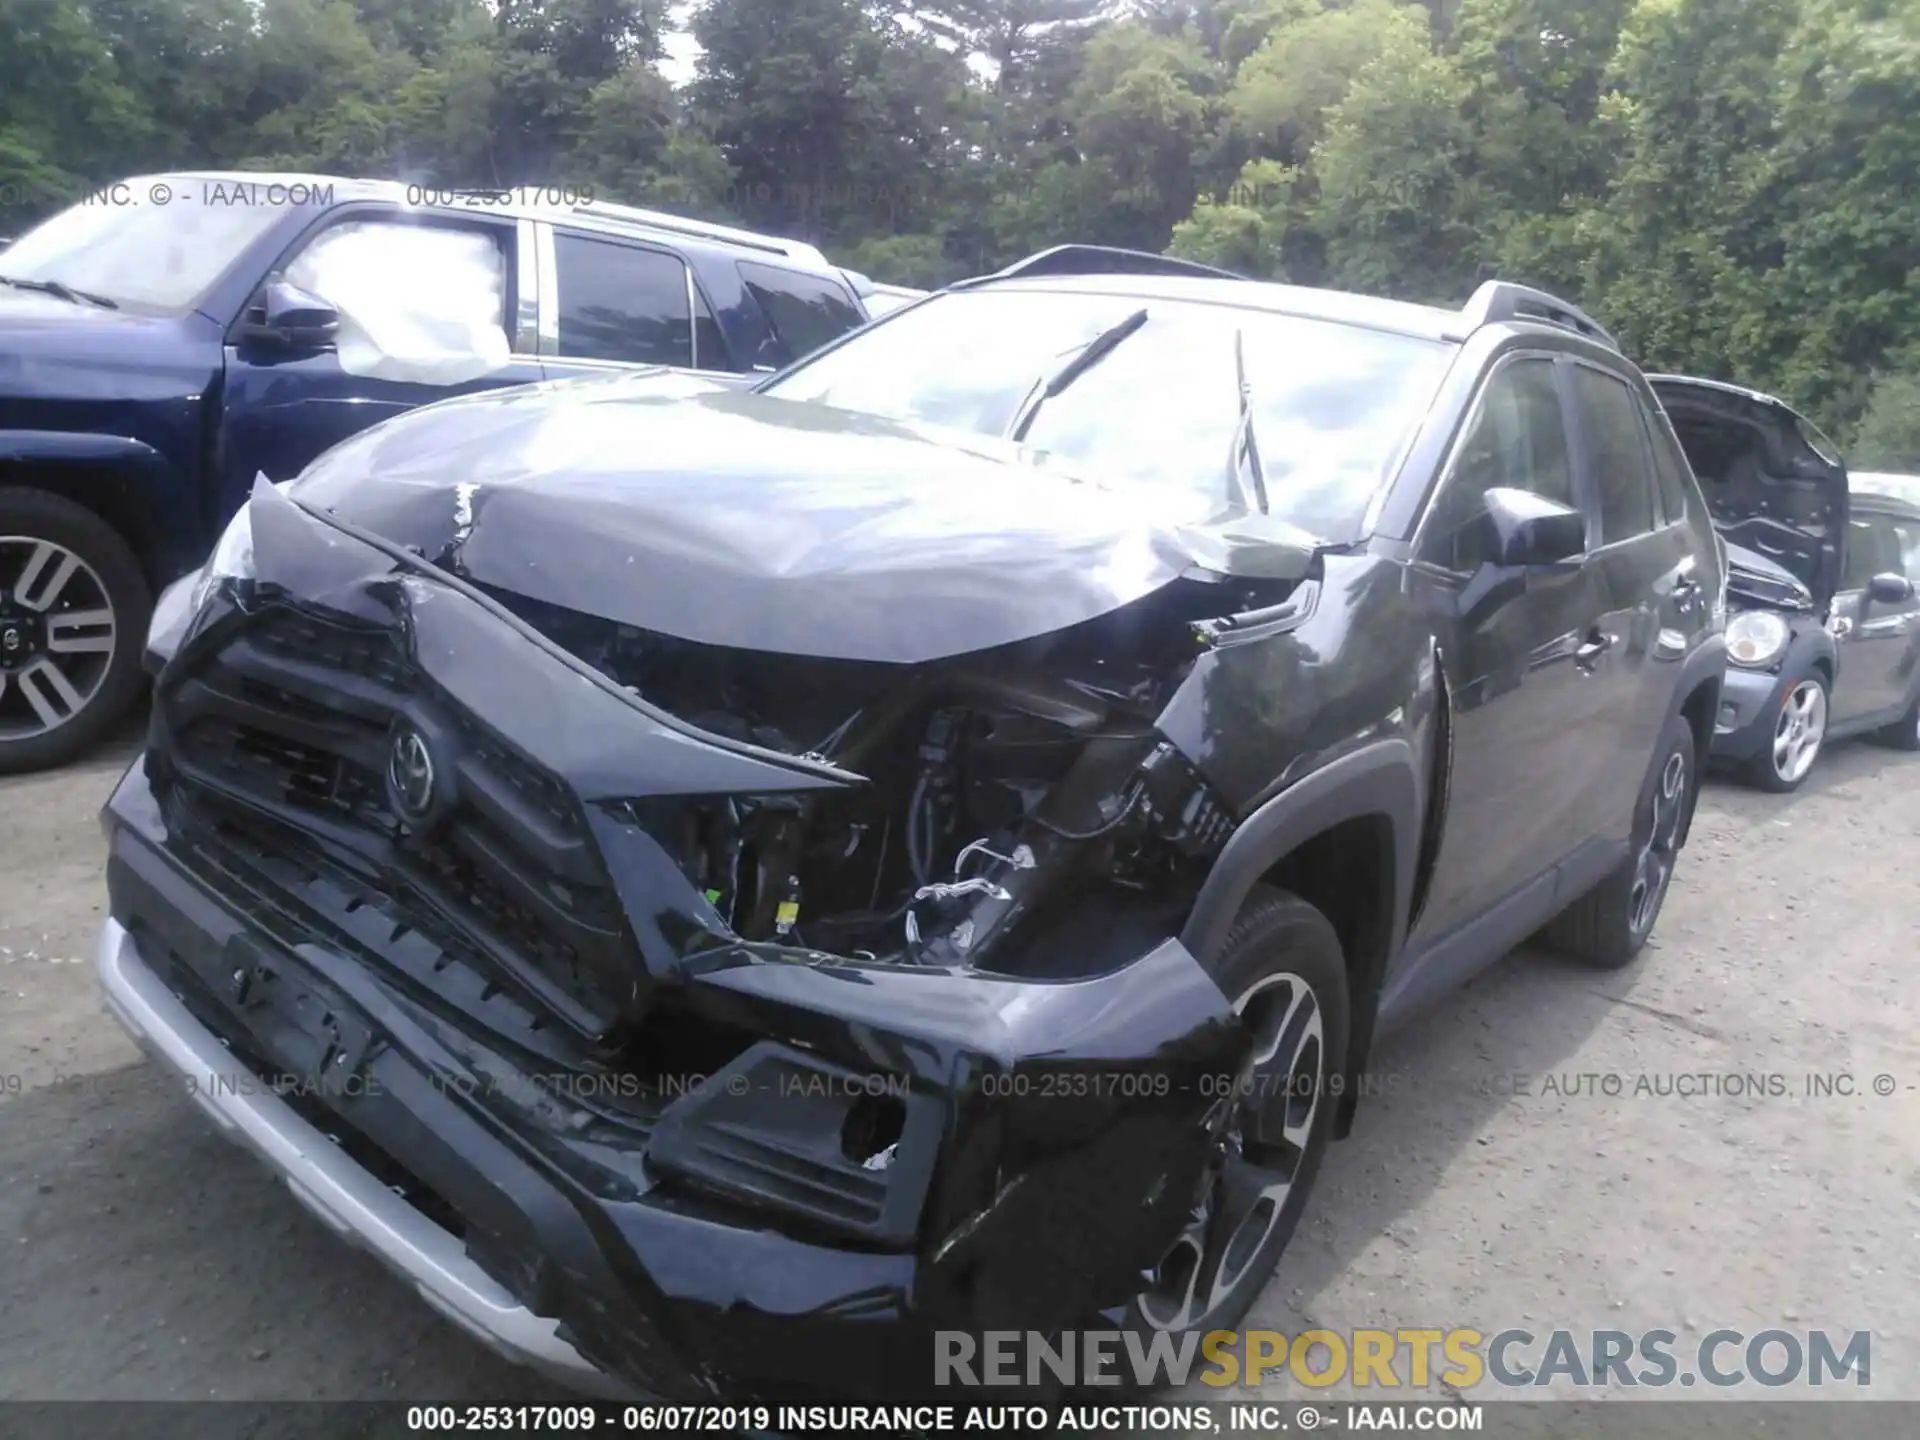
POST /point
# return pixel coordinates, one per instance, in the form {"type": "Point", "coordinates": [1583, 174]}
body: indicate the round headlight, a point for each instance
{"type": "Point", "coordinates": [1756, 637]}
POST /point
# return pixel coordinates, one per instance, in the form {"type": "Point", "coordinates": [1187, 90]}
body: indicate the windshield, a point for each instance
{"type": "Point", "coordinates": [1332, 403]}
{"type": "Point", "coordinates": [136, 252]}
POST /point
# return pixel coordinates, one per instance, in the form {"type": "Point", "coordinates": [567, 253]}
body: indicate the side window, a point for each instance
{"type": "Point", "coordinates": [804, 311]}
{"type": "Point", "coordinates": [1872, 549]}
{"type": "Point", "coordinates": [621, 302]}
{"type": "Point", "coordinates": [709, 345]}
{"type": "Point", "coordinates": [1908, 532]}
{"type": "Point", "coordinates": [1619, 452]}
{"type": "Point", "coordinates": [419, 303]}
{"type": "Point", "coordinates": [1517, 439]}
{"type": "Point", "coordinates": [1670, 470]}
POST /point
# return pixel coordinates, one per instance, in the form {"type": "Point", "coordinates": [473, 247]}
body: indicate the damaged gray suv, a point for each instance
{"type": "Point", "coordinates": [715, 886]}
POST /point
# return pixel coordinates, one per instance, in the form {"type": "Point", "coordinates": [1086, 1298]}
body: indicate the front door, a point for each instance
{"type": "Point", "coordinates": [425, 307]}
{"type": "Point", "coordinates": [1517, 653]}
{"type": "Point", "coordinates": [1879, 639]}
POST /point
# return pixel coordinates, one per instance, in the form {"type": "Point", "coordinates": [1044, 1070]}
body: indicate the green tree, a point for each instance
{"type": "Point", "coordinates": [1888, 435]}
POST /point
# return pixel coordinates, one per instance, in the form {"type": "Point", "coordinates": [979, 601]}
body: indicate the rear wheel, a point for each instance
{"type": "Point", "coordinates": [1608, 926]}
{"type": "Point", "coordinates": [73, 619]}
{"type": "Point", "coordinates": [1799, 730]}
{"type": "Point", "coordinates": [1284, 968]}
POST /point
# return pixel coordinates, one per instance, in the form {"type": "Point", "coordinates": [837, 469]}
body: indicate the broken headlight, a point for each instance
{"type": "Point", "coordinates": [232, 558]}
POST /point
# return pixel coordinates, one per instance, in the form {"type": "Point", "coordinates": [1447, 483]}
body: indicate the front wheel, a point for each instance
{"type": "Point", "coordinates": [1799, 730]}
{"type": "Point", "coordinates": [1608, 926]}
{"type": "Point", "coordinates": [1285, 970]}
{"type": "Point", "coordinates": [74, 608]}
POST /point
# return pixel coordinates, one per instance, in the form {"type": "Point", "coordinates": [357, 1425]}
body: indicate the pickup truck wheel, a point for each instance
{"type": "Point", "coordinates": [1608, 926]}
{"type": "Point", "coordinates": [73, 620]}
{"type": "Point", "coordinates": [1283, 966]}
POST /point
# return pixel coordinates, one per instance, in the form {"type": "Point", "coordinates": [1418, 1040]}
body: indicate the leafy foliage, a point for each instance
{"type": "Point", "coordinates": [1733, 186]}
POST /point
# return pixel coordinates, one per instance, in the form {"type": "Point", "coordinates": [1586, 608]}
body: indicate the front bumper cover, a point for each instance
{"type": "Point", "coordinates": [1749, 705]}
{"type": "Point", "coordinates": [589, 1262]}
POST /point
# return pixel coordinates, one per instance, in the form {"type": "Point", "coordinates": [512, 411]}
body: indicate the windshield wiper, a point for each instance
{"type": "Point", "coordinates": [1243, 433]}
{"type": "Point", "coordinates": [1082, 360]}
{"type": "Point", "coordinates": [61, 292]}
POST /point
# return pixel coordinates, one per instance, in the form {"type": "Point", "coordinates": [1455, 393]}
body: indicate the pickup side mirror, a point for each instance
{"type": "Point", "coordinates": [292, 319]}
{"type": "Point", "coordinates": [1890, 589]}
{"type": "Point", "coordinates": [1532, 531]}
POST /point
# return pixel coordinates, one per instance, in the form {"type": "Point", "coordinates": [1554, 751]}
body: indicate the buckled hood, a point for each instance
{"type": "Point", "coordinates": [682, 506]}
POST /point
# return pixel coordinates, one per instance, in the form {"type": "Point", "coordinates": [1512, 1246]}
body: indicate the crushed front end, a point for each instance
{"type": "Point", "coordinates": [735, 1022]}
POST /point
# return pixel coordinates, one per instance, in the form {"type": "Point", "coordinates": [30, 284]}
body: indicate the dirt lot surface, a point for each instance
{"type": "Point", "coordinates": [1493, 1182]}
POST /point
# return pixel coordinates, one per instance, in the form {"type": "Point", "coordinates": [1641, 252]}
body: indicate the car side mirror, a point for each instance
{"type": "Point", "coordinates": [292, 318]}
{"type": "Point", "coordinates": [1532, 531]}
{"type": "Point", "coordinates": [1890, 589]}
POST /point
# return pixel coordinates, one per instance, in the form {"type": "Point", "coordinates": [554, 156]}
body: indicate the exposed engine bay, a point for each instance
{"type": "Point", "coordinates": [1022, 814]}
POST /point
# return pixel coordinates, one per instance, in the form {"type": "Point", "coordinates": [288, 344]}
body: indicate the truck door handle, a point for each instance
{"type": "Point", "coordinates": [1597, 644]}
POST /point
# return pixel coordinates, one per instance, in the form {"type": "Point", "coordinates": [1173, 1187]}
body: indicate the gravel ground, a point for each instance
{"type": "Point", "coordinates": [1493, 1182]}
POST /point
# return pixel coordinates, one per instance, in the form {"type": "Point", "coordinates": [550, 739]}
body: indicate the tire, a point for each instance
{"type": "Point", "coordinates": [1283, 962]}
{"type": "Point", "coordinates": [1608, 926]}
{"type": "Point", "coordinates": [1904, 733]}
{"type": "Point", "coordinates": [64, 677]}
{"type": "Point", "coordinates": [1799, 731]}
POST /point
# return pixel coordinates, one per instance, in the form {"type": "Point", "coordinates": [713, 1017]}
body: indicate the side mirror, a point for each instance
{"type": "Point", "coordinates": [289, 317]}
{"type": "Point", "coordinates": [1531, 530]}
{"type": "Point", "coordinates": [1890, 589]}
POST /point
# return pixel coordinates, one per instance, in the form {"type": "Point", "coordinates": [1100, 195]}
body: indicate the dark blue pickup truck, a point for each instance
{"type": "Point", "coordinates": [172, 337]}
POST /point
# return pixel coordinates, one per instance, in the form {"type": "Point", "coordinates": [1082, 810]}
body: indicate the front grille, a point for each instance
{"type": "Point", "coordinates": [292, 719]}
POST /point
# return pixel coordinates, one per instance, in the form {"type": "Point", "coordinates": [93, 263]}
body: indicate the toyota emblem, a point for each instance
{"type": "Point", "coordinates": [411, 782]}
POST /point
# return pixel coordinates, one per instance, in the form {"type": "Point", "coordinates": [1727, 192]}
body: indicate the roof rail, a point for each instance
{"type": "Point", "coordinates": [1498, 300]}
{"type": "Point", "coordinates": [700, 229]}
{"type": "Point", "coordinates": [1100, 260]}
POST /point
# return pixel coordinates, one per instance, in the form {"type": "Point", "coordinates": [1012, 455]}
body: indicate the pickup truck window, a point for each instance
{"type": "Point", "coordinates": [804, 311]}
{"type": "Point", "coordinates": [420, 303]}
{"type": "Point", "coordinates": [622, 302]}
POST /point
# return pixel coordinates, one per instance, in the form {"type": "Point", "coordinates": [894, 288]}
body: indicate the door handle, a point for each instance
{"type": "Point", "coordinates": [1598, 642]}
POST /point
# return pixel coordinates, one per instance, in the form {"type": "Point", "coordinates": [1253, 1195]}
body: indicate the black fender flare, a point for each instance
{"type": "Point", "coordinates": [1812, 642]}
{"type": "Point", "coordinates": [1382, 777]}
{"type": "Point", "coordinates": [1706, 665]}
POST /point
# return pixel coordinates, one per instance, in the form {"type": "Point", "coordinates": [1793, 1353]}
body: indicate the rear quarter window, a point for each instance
{"type": "Point", "coordinates": [803, 311]}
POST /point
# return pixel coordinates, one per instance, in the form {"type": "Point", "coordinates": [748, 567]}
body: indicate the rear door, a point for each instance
{"type": "Point", "coordinates": [1878, 638]}
{"type": "Point", "coordinates": [1655, 599]}
{"type": "Point", "coordinates": [1523, 685]}
{"type": "Point", "coordinates": [611, 303]}
{"type": "Point", "coordinates": [425, 308]}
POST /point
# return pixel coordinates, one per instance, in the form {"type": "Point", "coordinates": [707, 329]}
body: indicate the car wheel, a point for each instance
{"type": "Point", "coordinates": [1283, 966]}
{"type": "Point", "coordinates": [1799, 730]}
{"type": "Point", "coordinates": [74, 608]}
{"type": "Point", "coordinates": [1904, 733]}
{"type": "Point", "coordinates": [1608, 926]}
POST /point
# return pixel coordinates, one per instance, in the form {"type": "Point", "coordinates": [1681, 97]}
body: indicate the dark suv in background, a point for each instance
{"type": "Point", "coordinates": [1824, 641]}
{"type": "Point", "coordinates": [169, 340]}
{"type": "Point", "coordinates": [738, 882]}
